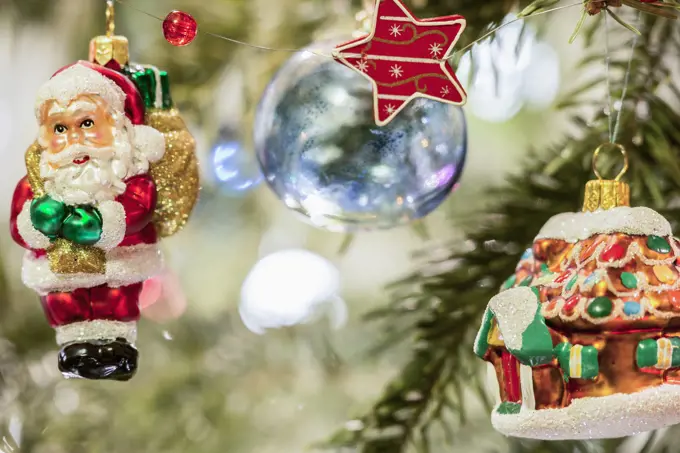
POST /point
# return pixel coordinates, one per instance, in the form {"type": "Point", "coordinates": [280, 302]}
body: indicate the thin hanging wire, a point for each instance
{"type": "Point", "coordinates": [110, 18]}
{"type": "Point", "coordinates": [614, 120]}
{"type": "Point", "coordinates": [494, 30]}
{"type": "Point", "coordinates": [293, 50]}
{"type": "Point", "coordinates": [607, 62]}
{"type": "Point", "coordinates": [626, 80]}
{"type": "Point", "coordinates": [226, 38]}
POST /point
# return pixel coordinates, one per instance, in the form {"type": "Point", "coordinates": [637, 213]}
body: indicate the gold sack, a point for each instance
{"type": "Point", "coordinates": [176, 174]}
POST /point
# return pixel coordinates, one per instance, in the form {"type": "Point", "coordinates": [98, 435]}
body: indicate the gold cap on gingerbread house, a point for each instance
{"type": "Point", "coordinates": [602, 194]}
{"type": "Point", "coordinates": [107, 48]}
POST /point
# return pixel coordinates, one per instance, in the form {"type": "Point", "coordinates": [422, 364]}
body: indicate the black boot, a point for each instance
{"type": "Point", "coordinates": [99, 360]}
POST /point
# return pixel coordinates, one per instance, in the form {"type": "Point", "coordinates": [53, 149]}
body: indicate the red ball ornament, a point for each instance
{"type": "Point", "coordinates": [179, 28]}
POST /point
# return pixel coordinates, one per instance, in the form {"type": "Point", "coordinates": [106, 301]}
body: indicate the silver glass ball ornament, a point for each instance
{"type": "Point", "coordinates": [323, 155]}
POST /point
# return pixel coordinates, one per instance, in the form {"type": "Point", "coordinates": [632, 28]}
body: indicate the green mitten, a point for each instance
{"type": "Point", "coordinates": [83, 225]}
{"type": "Point", "coordinates": [47, 215]}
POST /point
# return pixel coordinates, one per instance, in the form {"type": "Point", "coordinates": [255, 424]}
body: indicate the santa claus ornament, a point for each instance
{"type": "Point", "coordinates": [583, 339]}
{"type": "Point", "coordinates": [112, 171]}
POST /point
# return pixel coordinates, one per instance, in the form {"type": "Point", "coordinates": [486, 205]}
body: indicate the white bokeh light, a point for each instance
{"type": "Point", "coordinates": [542, 77]}
{"type": "Point", "coordinates": [5, 125]}
{"type": "Point", "coordinates": [511, 71]}
{"type": "Point", "coordinates": [291, 287]}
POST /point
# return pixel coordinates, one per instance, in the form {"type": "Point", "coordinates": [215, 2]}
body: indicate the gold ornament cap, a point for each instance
{"type": "Point", "coordinates": [602, 194]}
{"type": "Point", "coordinates": [104, 49]}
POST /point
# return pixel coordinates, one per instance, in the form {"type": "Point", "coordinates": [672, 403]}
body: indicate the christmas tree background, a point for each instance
{"type": "Point", "coordinates": [405, 379]}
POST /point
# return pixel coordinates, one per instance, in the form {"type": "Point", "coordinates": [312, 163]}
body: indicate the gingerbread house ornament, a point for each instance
{"type": "Point", "coordinates": [584, 338]}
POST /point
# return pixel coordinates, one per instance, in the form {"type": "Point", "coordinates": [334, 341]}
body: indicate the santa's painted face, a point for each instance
{"type": "Point", "coordinates": [88, 153]}
{"type": "Point", "coordinates": [85, 121]}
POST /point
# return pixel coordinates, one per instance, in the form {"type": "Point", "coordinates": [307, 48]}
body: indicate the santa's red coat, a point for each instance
{"type": "Point", "coordinates": [133, 260]}
{"type": "Point", "coordinates": [138, 200]}
{"type": "Point", "coordinates": [113, 295]}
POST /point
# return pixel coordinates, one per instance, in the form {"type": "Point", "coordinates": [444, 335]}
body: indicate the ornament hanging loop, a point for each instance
{"type": "Point", "coordinates": [602, 194]}
{"type": "Point", "coordinates": [110, 19]}
{"type": "Point", "coordinates": [596, 154]}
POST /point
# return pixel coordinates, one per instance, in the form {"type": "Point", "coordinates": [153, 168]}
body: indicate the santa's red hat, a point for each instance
{"type": "Point", "coordinates": [116, 89]}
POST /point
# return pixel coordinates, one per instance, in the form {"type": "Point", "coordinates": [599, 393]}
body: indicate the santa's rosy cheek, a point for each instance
{"type": "Point", "coordinates": [102, 135]}
{"type": "Point", "coordinates": [58, 142]}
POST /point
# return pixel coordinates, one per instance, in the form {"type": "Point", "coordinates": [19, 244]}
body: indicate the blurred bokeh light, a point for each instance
{"type": "Point", "coordinates": [291, 287]}
{"type": "Point", "coordinates": [235, 168]}
{"type": "Point", "coordinates": [509, 71]}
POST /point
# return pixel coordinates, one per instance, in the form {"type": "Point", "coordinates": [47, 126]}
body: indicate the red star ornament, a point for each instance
{"type": "Point", "coordinates": [403, 57]}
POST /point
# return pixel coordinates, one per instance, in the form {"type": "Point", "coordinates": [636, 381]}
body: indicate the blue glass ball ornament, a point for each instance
{"type": "Point", "coordinates": [235, 169]}
{"type": "Point", "coordinates": [321, 152]}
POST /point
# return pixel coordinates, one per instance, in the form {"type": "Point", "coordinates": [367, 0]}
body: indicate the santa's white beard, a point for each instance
{"type": "Point", "coordinates": [99, 179]}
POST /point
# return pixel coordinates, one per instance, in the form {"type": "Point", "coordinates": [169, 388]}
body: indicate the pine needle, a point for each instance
{"type": "Point", "coordinates": [623, 22]}
{"type": "Point", "coordinates": [579, 25]}
{"type": "Point", "coordinates": [656, 9]}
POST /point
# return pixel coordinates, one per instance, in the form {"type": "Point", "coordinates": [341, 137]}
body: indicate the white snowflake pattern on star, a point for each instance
{"type": "Point", "coordinates": [396, 71]}
{"type": "Point", "coordinates": [445, 91]}
{"type": "Point", "coordinates": [389, 109]}
{"type": "Point", "coordinates": [435, 49]}
{"type": "Point", "coordinates": [362, 65]}
{"type": "Point", "coordinates": [395, 30]}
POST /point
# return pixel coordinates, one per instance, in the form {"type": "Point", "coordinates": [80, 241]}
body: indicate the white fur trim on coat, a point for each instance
{"type": "Point", "coordinates": [113, 224]}
{"type": "Point", "coordinates": [99, 329]}
{"type": "Point", "coordinates": [149, 141]}
{"type": "Point", "coordinates": [78, 80]}
{"type": "Point", "coordinates": [124, 266]}
{"type": "Point", "coordinates": [32, 237]}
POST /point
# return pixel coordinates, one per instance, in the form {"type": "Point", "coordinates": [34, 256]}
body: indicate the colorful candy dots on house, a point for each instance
{"type": "Point", "coordinates": [613, 252]}
{"type": "Point", "coordinates": [674, 299]}
{"type": "Point", "coordinates": [600, 307]}
{"type": "Point", "coordinates": [664, 273]}
{"type": "Point", "coordinates": [658, 244]}
{"type": "Point", "coordinates": [589, 250]}
{"type": "Point", "coordinates": [570, 304]}
{"type": "Point", "coordinates": [629, 280]}
{"type": "Point", "coordinates": [564, 276]}
{"type": "Point", "coordinates": [571, 283]}
{"type": "Point", "coordinates": [591, 280]}
{"type": "Point", "coordinates": [632, 308]}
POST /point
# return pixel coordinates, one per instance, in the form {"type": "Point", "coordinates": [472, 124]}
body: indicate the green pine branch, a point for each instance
{"type": "Point", "coordinates": [441, 304]}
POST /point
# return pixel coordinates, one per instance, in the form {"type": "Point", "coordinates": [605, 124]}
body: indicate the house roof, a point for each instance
{"type": "Point", "coordinates": [573, 227]}
{"type": "Point", "coordinates": [604, 278]}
